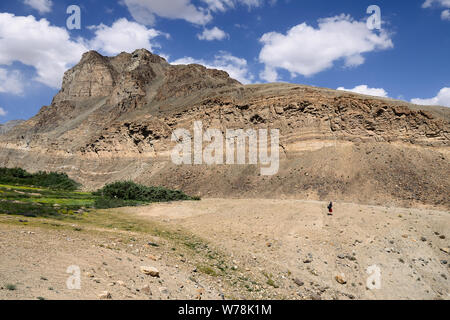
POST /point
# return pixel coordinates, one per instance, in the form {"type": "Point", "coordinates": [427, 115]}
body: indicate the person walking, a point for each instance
{"type": "Point", "coordinates": [330, 209]}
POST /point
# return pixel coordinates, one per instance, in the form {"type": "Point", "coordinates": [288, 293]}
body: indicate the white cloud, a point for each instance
{"type": "Point", "coordinates": [224, 5]}
{"type": "Point", "coordinates": [442, 99]}
{"type": "Point", "coordinates": [36, 43]}
{"type": "Point", "coordinates": [236, 67]}
{"type": "Point", "coordinates": [11, 82]}
{"type": "Point", "coordinates": [123, 35]}
{"type": "Point", "coordinates": [43, 6]}
{"type": "Point", "coordinates": [443, 3]}
{"type": "Point", "coordinates": [212, 34]}
{"type": "Point", "coordinates": [445, 15]}
{"type": "Point", "coordinates": [51, 51]}
{"type": "Point", "coordinates": [307, 50]}
{"type": "Point", "coordinates": [144, 11]}
{"type": "Point", "coordinates": [3, 112]}
{"type": "Point", "coordinates": [364, 89]}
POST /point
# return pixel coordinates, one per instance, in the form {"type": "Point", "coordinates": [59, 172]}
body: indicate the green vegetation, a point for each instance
{"type": "Point", "coordinates": [130, 191]}
{"type": "Point", "coordinates": [51, 180]}
{"type": "Point", "coordinates": [53, 195]}
{"type": "Point", "coordinates": [10, 287]}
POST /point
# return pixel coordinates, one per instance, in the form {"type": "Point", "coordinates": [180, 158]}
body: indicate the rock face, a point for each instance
{"type": "Point", "coordinates": [114, 117]}
{"type": "Point", "coordinates": [7, 126]}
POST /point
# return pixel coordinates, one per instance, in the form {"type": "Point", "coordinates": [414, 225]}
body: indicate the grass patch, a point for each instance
{"type": "Point", "coordinates": [207, 270]}
{"type": "Point", "coordinates": [270, 281]}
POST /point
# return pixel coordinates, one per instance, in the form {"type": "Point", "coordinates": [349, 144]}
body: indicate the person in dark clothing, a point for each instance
{"type": "Point", "coordinates": [330, 209]}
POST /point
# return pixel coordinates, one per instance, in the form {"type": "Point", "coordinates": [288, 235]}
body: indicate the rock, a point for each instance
{"type": "Point", "coordinates": [340, 279]}
{"type": "Point", "coordinates": [150, 271]}
{"type": "Point", "coordinates": [146, 290]}
{"type": "Point", "coordinates": [444, 261]}
{"type": "Point", "coordinates": [442, 237]}
{"type": "Point", "coordinates": [298, 282]}
{"type": "Point", "coordinates": [151, 257]}
{"type": "Point", "coordinates": [423, 239]}
{"type": "Point", "coordinates": [163, 290]}
{"type": "Point", "coordinates": [315, 297]}
{"type": "Point", "coordinates": [307, 260]}
{"type": "Point", "coordinates": [152, 244]}
{"type": "Point", "coordinates": [446, 250]}
{"type": "Point", "coordinates": [105, 295]}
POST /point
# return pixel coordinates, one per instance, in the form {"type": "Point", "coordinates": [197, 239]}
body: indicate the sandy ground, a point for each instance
{"type": "Point", "coordinates": [277, 249]}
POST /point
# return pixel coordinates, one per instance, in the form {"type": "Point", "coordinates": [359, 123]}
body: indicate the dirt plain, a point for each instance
{"type": "Point", "coordinates": [231, 249]}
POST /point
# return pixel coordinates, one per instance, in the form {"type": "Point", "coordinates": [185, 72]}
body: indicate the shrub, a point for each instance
{"type": "Point", "coordinates": [130, 191]}
{"type": "Point", "coordinates": [52, 180]}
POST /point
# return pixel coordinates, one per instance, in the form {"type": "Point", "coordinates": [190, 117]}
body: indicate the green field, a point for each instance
{"type": "Point", "coordinates": [50, 194]}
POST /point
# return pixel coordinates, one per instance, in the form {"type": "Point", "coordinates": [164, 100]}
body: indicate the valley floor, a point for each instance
{"type": "Point", "coordinates": [230, 249]}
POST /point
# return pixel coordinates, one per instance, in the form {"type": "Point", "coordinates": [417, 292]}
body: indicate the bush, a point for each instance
{"type": "Point", "coordinates": [104, 203]}
{"type": "Point", "coordinates": [52, 180]}
{"type": "Point", "coordinates": [130, 191]}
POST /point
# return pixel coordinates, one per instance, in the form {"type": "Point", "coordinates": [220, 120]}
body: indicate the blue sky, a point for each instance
{"type": "Point", "coordinates": [324, 43]}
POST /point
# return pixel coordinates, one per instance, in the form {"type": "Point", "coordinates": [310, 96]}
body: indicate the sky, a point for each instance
{"type": "Point", "coordinates": [396, 49]}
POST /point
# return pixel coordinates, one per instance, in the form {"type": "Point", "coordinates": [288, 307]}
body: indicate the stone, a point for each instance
{"type": "Point", "coordinates": [150, 271]}
{"type": "Point", "coordinates": [298, 282]}
{"type": "Point", "coordinates": [164, 290]}
{"type": "Point", "coordinates": [147, 290]}
{"type": "Point", "coordinates": [151, 257]}
{"type": "Point", "coordinates": [340, 279]}
{"type": "Point", "coordinates": [105, 295]}
{"type": "Point", "coordinates": [446, 250]}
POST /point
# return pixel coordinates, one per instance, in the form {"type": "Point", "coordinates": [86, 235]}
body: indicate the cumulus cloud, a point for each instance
{"type": "Point", "coordinates": [364, 89]}
{"type": "Point", "coordinates": [123, 35]}
{"type": "Point", "coordinates": [3, 112]}
{"type": "Point", "coordinates": [43, 6]}
{"type": "Point", "coordinates": [51, 51]}
{"type": "Point", "coordinates": [212, 34]}
{"type": "Point", "coordinates": [445, 15]}
{"type": "Point", "coordinates": [442, 99]}
{"type": "Point", "coordinates": [305, 50]}
{"type": "Point", "coordinates": [144, 11]}
{"type": "Point", "coordinates": [36, 43]}
{"type": "Point", "coordinates": [11, 82]}
{"type": "Point", "coordinates": [236, 67]}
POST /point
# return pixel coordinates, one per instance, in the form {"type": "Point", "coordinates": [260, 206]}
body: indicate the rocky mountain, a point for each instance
{"type": "Point", "coordinates": [114, 117]}
{"type": "Point", "coordinates": [7, 126]}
